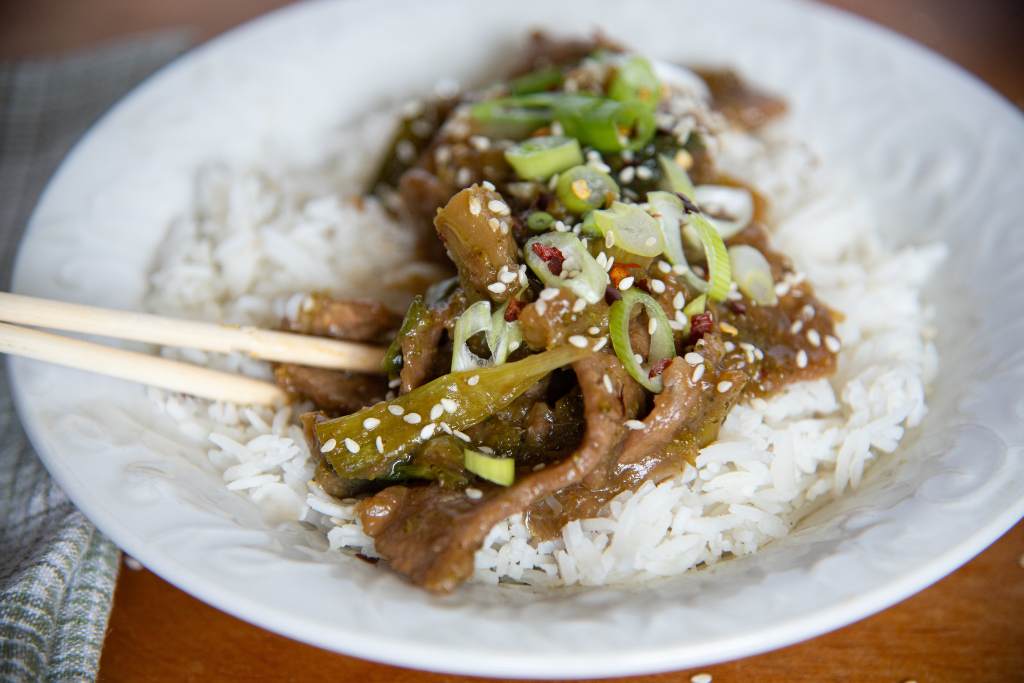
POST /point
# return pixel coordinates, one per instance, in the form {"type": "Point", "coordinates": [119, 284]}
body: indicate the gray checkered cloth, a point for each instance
{"type": "Point", "coordinates": [57, 572]}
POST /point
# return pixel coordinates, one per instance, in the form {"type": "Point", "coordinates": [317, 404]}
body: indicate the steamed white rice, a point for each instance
{"type": "Point", "coordinates": [257, 238]}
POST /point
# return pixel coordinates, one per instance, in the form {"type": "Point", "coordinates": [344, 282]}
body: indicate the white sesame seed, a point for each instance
{"type": "Point", "coordinates": [499, 207]}
{"type": "Point", "coordinates": [487, 450]}
{"type": "Point", "coordinates": [664, 267]}
{"type": "Point", "coordinates": [542, 307]}
{"type": "Point", "coordinates": [609, 239]}
{"type": "Point", "coordinates": [461, 435]}
{"type": "Point", "coordinates": [449, 405]}
{"type": "Point", "coordinates": [474, 494]}
{"type": "Point", "coordinates": [782, 289]}
{"type": "Point", "coordinates": [494, 224]}
{"type": "Point", "coordinates": [807, 311]}
{"type": "Point", "coordinates": [497, 287]}
{"type": "Point", "coordinates": [625, 283]}
{"type": "Point", "coordinates": [638, 358]}
{"type": "Point", "coordinates": [351, 445]}
{"type": "Point", "coordinates": [700, 678]}
{"type": "Point", "coordinates": [436, 411]}
{"type": "Point", "coordinates": [832, 344]}
{"type": "Point", "coordinates": [635, 425]}
{"type": "Point", "coordinates": [463, 176]}
{"type": "Point", "coordinates": [481, 143]}
{"type": "Point", "coordinates": [488, 184]}
{"type": "Point", "coordinates": [371, 423]}
{"type": "Point", "coordinates": [428, 430]}
{"type": "Point", "coordinates": [328, 445]}
{"type": "Point", "coordinates": [608, 264]}
{"type": "Point", "coordinates": [602, 259]}
{"type": "Point", "coordinates": [626, 174]}
{"type": "Point", "coordinates": [652, 326]}
{"type": "Point", "coordinates": [578, 340]}
{"type": "Point", "coordinates": [657, 286]}
{"type": "Point", "coordinates": [600, 344]}
{"type": "Point", "coordinates": [693, 358]}
{"type": "Point", "coordinates": [413, 418]}
{"type": "Point", "coordinates": [508, 278]}
{"type": "Point", "coordinates": [608, 383]}
{"type": "Point", "coordinates": [813, 337]}
{"type": "Point", "coordinates": [379, 442]}
{"type": "Point", "coordinates": [445, 427]}
{"type": "Point", "coordinates": [730, 347]}
{"type": "Point", "coordinates": [548, 293]}
{"type": "Point", "coordinates": [396, 409]}
{"type": "Point", "coordinates": [796, 327]}
{"type": "Point", "coordinates": [681, 318]}
{"type": "Point", "coordinates": [474, 206]}
{"type": "Point", "coordinates": [579, 305]}
{"type": "Point", "coordinates": [724, 386]}
{"type": "Point", "coordinates": [801, 359]}
{"type": "Point", "coordinates": [504, 228]}
{"type": "Point", "coordinates": [473, 380]}
{"type": "Point", "coordinates": [676, 325]}
{"type": "Point", "coordinates": [678, 301]}
{"type": "Point", "coordinates": [594, 331]}
{"type": "Point", "coordinates": [643, 173]}
{"type": "Point", "coordinates": [698, 372]}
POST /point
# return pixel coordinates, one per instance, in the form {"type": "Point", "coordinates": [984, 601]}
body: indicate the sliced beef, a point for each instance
{"type": "Point", "coordinates": [551, 322]}
{"type": "Point", "coordinates": [430, 534]}
{"type": "Point", "coordinates": [337, 391]}
{"type": "Point", "coordinates": [347, 319]}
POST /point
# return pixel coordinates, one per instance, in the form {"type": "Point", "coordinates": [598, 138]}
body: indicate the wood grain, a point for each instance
{"type": "Point", "coordinates": [968, 627]}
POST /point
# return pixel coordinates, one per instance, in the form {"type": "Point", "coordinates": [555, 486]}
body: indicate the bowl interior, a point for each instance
{"type": "Point", "coordinates": [935, 151]}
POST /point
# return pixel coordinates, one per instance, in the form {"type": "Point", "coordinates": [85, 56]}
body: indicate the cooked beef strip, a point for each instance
{"type": "Point", "coordinates": [430, 534]}
{"type": "Point", "coordinates": [423, 355]}
{"type": "Point", "coordinates": [337, 391]}
{"type": "Point", "coordinates": [349, 319]}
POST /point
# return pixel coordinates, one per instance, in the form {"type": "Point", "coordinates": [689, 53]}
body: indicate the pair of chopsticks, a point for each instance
{"type": "Point", "coordinates": [285, 347]}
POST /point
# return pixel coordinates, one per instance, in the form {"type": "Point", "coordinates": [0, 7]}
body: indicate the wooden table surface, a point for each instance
{"type": "Point", "coordinates": [967, 627]}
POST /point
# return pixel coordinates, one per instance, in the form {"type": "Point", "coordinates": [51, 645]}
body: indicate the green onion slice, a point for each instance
{"type": "Point", "coordinates": [670, 213]}
{"type": "Point", "coordinates": [584, 188]}
{"type": "Point", "coordinates": [580, 273]}
{"type": "Point", "coordinates": [730, 209]}
{"type": "Point", "coordinates": [536, 81]}
{"type": "Point", "coordinates": [719, 269]}
{"type": "Point", "coordinates": [630, 228]}
{"type": "Point", "coordinates": [662, 343]}
{"type": "Point", "coordinates": [675, 177]}
{"type": "Point", "coordinates": [634, 79]}
{"type": "Point", "coordinates": [542, 157]}
{"type": "Point", "coordinates": [753, 274]}
{"type": "Point", "coordinates": [500, 471]}
{"type": "Point", "coordinates": [540, 221]}
{"type": "Point", "coordinates": [503, 337]}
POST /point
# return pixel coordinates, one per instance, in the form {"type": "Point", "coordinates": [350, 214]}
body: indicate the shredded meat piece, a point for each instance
{"type": "Point", "coordinates": [348, 319]}
{"type": "Point", "coordinates": [336, 391]}
{"type": "Point", "coordinates": [430, 534]}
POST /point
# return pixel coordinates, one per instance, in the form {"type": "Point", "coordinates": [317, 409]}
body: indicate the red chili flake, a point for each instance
{"type": "Point", "coordinates": [659, 368]}
{"type": "Point", "coordinates": [619, 271]}
{"type": "Point", "coordinates": [512, 312]}
{"type": "Point", "coordinates": [700, 324]}
{"type": "Point", "coordinates": [551, 256]}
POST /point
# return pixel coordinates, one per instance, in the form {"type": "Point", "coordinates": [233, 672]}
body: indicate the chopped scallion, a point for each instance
{"type": "Point", "coordinates": [662, 343]}
{"type": "Point", "coordinates": [501, 471]}
{"type": "Point", "coordinates": [542, 157]}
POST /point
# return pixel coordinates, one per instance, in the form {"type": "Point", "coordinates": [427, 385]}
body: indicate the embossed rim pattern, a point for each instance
{"type": "Point", "coordinates": [875, 105]}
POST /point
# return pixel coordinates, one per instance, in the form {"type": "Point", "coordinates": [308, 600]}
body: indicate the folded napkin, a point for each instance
{"type": "Point", "coordinates": [57, 572]}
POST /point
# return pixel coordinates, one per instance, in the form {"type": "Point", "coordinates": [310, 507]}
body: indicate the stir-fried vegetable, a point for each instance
{"type": "Point", "coordinates": [536, 81]}
{"type": "Point", "coordinates": [630, 228]}
{"type": "Point", "coordinates": [604, 124]}
{"type": "Point", "coordinates": [670, 213]}
{"type": "Point", "coordinates": [417, 317]}
{"type": "Point", "coordinates": [662, 343]}
{"type": "Point", "coordinates": [502, 336]}
{"type": "Point", "coordinates": [676, 177]}
{"type": "Point", "coordinates": [584, 188]}
{"type": "Point", "coordinates": [634, 79]}
{"type": "Point", "coordinates": [541, 157]}
{"type": "Point", "coordinates": [540, 221]}
{"type": "Point", "coordinates": [497, 470]}
{"type": "Point", "coordinates": [719, 271]}
{"type": "Point", "coordinates": [369, 444]}
{"type": "Point", "coordinates": [559, 259]}
{"type": "Point", "coordinates": [753, 274]}
{"type": "Point", "coordinates": [730, 209]}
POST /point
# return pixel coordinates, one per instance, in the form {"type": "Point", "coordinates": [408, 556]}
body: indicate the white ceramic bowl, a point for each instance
{"type": "Point", "coordinates": [938, 153]}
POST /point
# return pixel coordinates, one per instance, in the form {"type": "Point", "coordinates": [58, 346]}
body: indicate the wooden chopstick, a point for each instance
{"type": "Point", "coordinates": [285, 347]}
{"type": "Point", "coordinates": [138, 367]}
